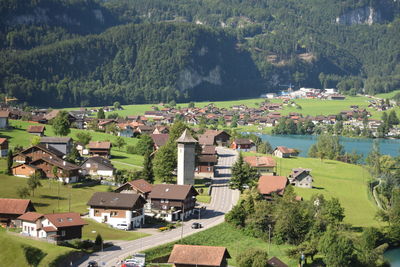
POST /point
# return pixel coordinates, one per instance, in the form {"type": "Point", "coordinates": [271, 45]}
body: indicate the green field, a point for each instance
{"type": "Point", "coordinates": [388, 95]}
{"type": "Point", "coordinates": [337, 179]}
{"type": "Point", "coordinates": [227, 236]}
{"type": "Point", "coordinates": [12, 252]}
{"type": "Point", "coordinates": [93, 228]}
{"type": "Point", "coordinates": [19, 136]}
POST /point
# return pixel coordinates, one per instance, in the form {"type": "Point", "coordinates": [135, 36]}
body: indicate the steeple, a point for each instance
{"type": "Point", "coordinates": [186, 137]}
{"type": "Point", "coordinates": [186, 158]}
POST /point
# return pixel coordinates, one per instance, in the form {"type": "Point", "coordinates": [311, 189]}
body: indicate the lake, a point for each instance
{"type": "Point", "coordinates": [393, 256]}
{"type": "Point", "coordinates": [360, 145]}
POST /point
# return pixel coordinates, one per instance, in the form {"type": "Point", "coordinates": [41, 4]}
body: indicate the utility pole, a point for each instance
{"type": "Point", "coordinates": [269, 238]}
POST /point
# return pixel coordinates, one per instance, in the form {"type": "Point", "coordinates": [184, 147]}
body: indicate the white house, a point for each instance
{"type": "Point", "coordinates": [98, 166]}
{"type": "Point", "coordinates": [4, 118]}
{"type": "Point", "coordinates": [117, 208]}
{"type": "Point", "coordinates": [301, 178]}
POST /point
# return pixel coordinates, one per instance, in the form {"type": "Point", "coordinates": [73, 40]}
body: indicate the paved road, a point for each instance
{"type": "Point", "coordinates": [222, 201]}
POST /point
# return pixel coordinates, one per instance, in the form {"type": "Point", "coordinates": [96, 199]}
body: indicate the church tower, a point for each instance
{"type": "Point", "coordinates": [186, 158]}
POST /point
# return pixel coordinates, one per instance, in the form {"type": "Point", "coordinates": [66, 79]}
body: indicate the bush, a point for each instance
{"type": "Point", "coordinates": [131, 149]}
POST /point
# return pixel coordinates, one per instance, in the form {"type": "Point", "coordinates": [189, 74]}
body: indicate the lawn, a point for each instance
{"type": "Point", "coordinates": [337, 179]}
{"type": "Point", "coordinates": [227, 236]}
{"type": "Point", "coordinates": [93, 228]}
{"type": "Point", "coordinates": [202, 189]}
{"type": "Point", "coordinates": [388, 95]}
{"type": "Point", "coordinates": [12, 252]}
{"type": "Point", "coordinates": [19, 136]}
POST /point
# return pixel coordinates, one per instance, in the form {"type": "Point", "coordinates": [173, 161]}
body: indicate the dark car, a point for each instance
{"type": "Point", "coordinates": [196, 225]}
{"type": "Point", "coordinates": [93, 264]}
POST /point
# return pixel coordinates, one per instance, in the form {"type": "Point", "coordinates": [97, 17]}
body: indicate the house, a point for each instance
{"type": "Point", "coordinates": [55, 226]}
{"type": "Point", "coordinates": [81, 149]}
{"type": "Point", "coordinates": [284, 152]}
{"type": "Point", "coordinates": [25, 170]}
{"type": "Point", "coordinates": [264, 164]}
{"type": "Point", "coordinates": [198, 256]}
{"type": "Point", "coordinates": [36, 130]}
{"type": "Point", "coordinates": [159, 140]}
{"type": "Point", "coordinates": [206, 165]}
{"type": "Point", "coordinates": [275, 262]}
{"type": "Point", "coordinates": [243, 144]}
{"type": "Point", "coordinates": [301, 177]}
{"type": "Point", "coordinates": [116, 208]}
{"type": "Point", "coordinates": [206, 140]}
{"type": "Point", "coordinates": [37, 152]}
{"type": "Point", "coordinates": [221, 138]}
{"type": "Point", "coordinates": [125, 130]}
{"type": "Point", "coordinates": [171, 201]}
{"type": "Point", "coordinates": [268, 185]}
{"type": "Point", "coordinates": [161, 130]}
{"type": "Point", "coordinates": [11, 209]}
{"type": "Point", "coordinates": [63, 144]}
{"type": "Point", "coordinates": [97, 166]}
{"type": "Point", "coordinates": [144, 129]}
{"type": "Point", "coordinates": [101, 149]}
{"type": "Point", "coordinates": [66, 171]}
{"type": "Point", "coordinates": [3, 147]}
{"type": "Point", "coordinates": [140, 186]}
{"type": "Point", "coordinates": [4, 115]}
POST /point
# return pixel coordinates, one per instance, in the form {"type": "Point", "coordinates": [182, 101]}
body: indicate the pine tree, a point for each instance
{"type": "Point", "coordinates": [147, 172]}
{"type": "Point", "coordinates": [9, 162]}
{"type": "Point", "coordinates": [100, 114]}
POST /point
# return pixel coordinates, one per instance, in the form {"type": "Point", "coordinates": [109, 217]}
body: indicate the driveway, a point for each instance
{"type": "Point", "coordinates": [222, 201]}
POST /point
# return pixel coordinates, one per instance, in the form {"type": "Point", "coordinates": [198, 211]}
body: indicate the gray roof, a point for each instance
{"type": "Point", "coordinates": [186, 137]}
{"type": "Point", "coordinates": [55, 139]}
{"type": "Point", "coordinates": [100, 161]}
{"type": "Point", "coordinates": [115, 200]}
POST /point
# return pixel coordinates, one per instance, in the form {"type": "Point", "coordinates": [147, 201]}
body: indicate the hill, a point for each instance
{"type": "Point", "coordinates": [72, 51]}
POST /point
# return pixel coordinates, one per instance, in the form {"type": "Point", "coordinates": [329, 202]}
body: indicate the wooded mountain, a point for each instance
{"type": "Point", "coordinates": [74, 53]}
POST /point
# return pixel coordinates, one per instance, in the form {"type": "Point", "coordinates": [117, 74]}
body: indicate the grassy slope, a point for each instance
{"type": "Point", "coordinates": [388, 95]}
{"type": "Point", "coordinates": [12, 253]}
{"type": "Point", "coordinates": [223, 235]}
{"type": "Point", "coordinates": [337, 179]}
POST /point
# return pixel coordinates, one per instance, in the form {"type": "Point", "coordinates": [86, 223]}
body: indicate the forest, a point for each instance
{"type": "Point", "coordinates": [81, 53]}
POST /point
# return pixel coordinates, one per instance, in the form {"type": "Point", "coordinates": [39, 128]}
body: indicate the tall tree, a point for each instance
{"type": "Point", "coordinates": [61, 124]}
{"type": "Point", "coordinates": [119, 142]}
{"type": "Point", "coordinates": [100, 114]}
{"type": "Point", "coordinates": [164, 163]}
{"type": "Point", "coordinates": [144, 145]}
{"type": "Point", "coordinates": [83, 137]}
{"type": "Point", "coordinates": [147, 172]}
{"type": "Point", "coordinates": [9, 161]}
{"type": "Point", "coordinates": [242, 174]}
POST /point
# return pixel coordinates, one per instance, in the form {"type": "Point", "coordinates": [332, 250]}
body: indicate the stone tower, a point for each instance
{"type": "Point", "coordinates": [186, 158]}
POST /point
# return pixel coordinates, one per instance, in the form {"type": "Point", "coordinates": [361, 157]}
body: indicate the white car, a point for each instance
{"type": "Point", "coordinates": [122, 226]}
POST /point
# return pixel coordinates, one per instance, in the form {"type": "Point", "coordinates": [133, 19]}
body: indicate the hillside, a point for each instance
{"type": "Point", "coordinates": [72, 51]}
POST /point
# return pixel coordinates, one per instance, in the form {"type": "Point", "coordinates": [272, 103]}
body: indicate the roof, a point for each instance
{"type": "Point", "coordinates": [115, 200]}
{"type": "Point", "coordinates": [160, 139]}
{"type": "Point", "coordinates": [100, 161]}
{"type": "Point", "coordinates": [243, 141]}
{"type": "Point", "coordinates": [186, 137]}
{"type": "Point", "coordinates": [297, 171]}
{"type": "Point", "coordinates": [283, 149]}
{"type": "Point", "coordinates": [62, 164]}
{"type": "Point", "coordinates": [171, 191]}
{"type": "Point", "coordinates": [30, 216]}
{"type": "Point", "coordinates": [274, 261]}
{"type": "Point", "coordinates": [36, 129]}
{"type": "Point", "coordinates": [99, 145]}
{"type": "Point", "coordinates": [256, 161]}
{"type": "Point", "coordinates": [4, 114]}
{"type": "Point", "coordinates": [268, 184]}
{"type": "Point", "coordinates": [55, 139]}
{"type": "Point", "coordinates": [52, 114]}
{"type": "Point", "coordinates": [46, 148]}
{"type": "Point", "coordinates": [208, 150]}
{"type": "Point", "coordinates": [3, 140]}
{"type": "Point", "coordinates": [216, 132]}
{"type": "Point", "coordinates": [65, 219]}
{"type": "Point", "coordinates": [49, 229]}
{"type": "Point", "coordinates": [14, 206]}
{"type": "Point", "coordinates": [208, 158]}
{"type": "Point", "coordinates": [141, 185]}
{"type": "Point", "coordinates": [198, 255]}
{"type": "Point", "coordinates": [207, 140]}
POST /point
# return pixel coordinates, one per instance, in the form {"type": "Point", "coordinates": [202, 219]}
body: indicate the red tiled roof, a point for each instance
{"type": "Point", "coordinates": [4, 114]}
{"type": "Point", "coordinates": [13, 206]}
{"type": "Point", "coordinates": [65, 219]}
{"type": "Point", "coordinates": [49, 229]}
{"type": "Point", "coordinates": [2, 140]}
{"type": "Point", "coordinates": [283, 149]}
{"type": "Point", "coordinates": [99, 145]}
{"type": "Point", "coordinates": [198, 255]}
{"type": "Point", "coordinates": [36, 129]}
{"type": "Point", "coordinates": [256, 161]}
{"type": "Point", "coordinates": [268, 184]}
{"type": "Point", "coordinates": [141, 185]}
{"type": "Point", "coordinates": [30, 216]}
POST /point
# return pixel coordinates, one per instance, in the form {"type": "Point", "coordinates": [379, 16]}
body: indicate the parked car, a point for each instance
{"type": "Point", "coordinates": [122, 226]}
{"type": "Point", "coordinates": [93, 264]}
{"type": "Point", "coordinates": [196, 225]}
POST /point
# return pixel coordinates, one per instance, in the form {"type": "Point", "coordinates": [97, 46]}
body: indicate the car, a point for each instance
{"type": "Point", "coordinates": [122, 226]}
{"type": "Point", "coordinates": [93, 264]}
{"type": "Point", "coordinates": [196, 225]}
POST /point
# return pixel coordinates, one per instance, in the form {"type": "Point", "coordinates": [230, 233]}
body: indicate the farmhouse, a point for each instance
{"type": "Point", "coordinates": [55, 226]}
{"type": "Point", "coordinates": [97, 166]}
{"type": "Point", "coordinates": [171, 201]}
{"type": "Point", "coordinates": [243, 145]}
{"type": "Point", "coordinates": [116, 208]}
{"type": "Point", "coordinates": [101, 149]}
{"type": "Point", "coordinates": [36, 130]}
{"type": "Point", "coordinates": [268, 185]}
{"type": "Point", "coordinates": [3, 147]}
{"type": "Point", "coordinates": [37, 152]}
{"type": "Point", "coordinates": [284, 152]}
{"type": "Point", "coordinates": [141, 187]}
{"type": "Point", "coordinates": [66, 171]}
{"type": "Point", "coordinates": [221, 138]}
{"type": "Point", "coordinates": [198, 256]}
{"type": "Point", "coordinates": [4, 115]}
{"type": "Point", "coordinates": [25, 170]}
{"type": "Point", "coordinates": [11, 209]}
{"type": "Point", "coordinates": [206, 165]}
{"type": "Point", "coordinates": [301, 178]}
{"type": "Point", "coordinates": [63, 144]}
{"type": "Point", "coordinates": [264, 164]}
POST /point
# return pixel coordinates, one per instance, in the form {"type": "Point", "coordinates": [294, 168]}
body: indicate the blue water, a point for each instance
{"type": "Point", "coordinates": [360, 145]}
{"type": "Point", "coordinates": [393, 256]}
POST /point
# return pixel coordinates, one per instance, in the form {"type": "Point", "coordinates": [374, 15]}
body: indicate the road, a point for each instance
{"type": "Point", "coordinates": [222, 201]}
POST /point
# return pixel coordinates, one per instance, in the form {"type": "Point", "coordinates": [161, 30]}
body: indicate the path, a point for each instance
{"type": "Point", "coordinates": [222, 201]}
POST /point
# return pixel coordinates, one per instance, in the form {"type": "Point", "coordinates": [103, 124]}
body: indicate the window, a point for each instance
{"type": "Point", "coordinates": [96, 213]}
{"type": "Point", "coordinates": [166, 201]}
{"type": "Point", "coordinates": [32, 228]}
{"type": "Point", "coordinates": [63, 233]}
{"type": "Point", "coordinates": [113, 213]}
{"type": "Point", "coordinates": [162, 200]}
